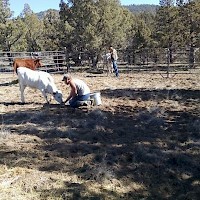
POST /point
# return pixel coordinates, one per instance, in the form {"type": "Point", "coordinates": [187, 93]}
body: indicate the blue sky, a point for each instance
{"type": "Point", "coordinates": [41, 5]}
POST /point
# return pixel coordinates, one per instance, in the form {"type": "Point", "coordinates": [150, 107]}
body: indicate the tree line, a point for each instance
{"type": "Point", "coordinates": [93, 25]}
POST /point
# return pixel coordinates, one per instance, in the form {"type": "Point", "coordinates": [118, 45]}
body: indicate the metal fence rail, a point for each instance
{"type": "Point", "coordinates": [146, 61]}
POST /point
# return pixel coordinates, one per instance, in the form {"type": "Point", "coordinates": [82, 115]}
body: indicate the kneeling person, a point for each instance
{"type": "Point", "coordinates": [79, 91]}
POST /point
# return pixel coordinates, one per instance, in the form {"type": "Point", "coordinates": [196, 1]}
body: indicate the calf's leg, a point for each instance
{"type": "Point", "coordinates": [22, 88]}
{"type": "Point", "coordinates": [45, 96]}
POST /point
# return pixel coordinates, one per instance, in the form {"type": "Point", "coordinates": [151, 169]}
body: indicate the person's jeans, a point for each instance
{"type": "Point", "coordinates": [74, 102]}
{"type": "Point", "coordinates": [115, 67]}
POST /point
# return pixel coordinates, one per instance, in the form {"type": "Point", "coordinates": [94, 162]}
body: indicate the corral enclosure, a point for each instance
{"type": "Point", "coordinates": [143, 142]}
{"type": "Point", "coordinates": [158, 60]}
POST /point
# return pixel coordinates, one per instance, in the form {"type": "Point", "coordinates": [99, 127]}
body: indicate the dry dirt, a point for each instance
{"type": "Point", "coordinates": [143, 142]}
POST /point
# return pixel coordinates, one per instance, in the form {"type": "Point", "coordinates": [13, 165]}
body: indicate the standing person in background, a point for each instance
{"type": "Point", "coordinates": [79, 91]}
{"type": "Point", "coordinates": [114, 58]}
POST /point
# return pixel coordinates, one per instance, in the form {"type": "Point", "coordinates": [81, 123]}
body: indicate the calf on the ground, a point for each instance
{"type": "Point", "coordinates": [39, 80]}
{"type": "Point", "coordinates": [29, 63]}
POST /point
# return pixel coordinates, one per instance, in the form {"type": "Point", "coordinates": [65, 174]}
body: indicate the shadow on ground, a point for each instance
{"type": "Point", "coordinates": [157, 147]}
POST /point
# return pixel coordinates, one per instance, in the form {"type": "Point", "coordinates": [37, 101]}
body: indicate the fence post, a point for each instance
{"type": "Point", "coordinates": [168, 61]}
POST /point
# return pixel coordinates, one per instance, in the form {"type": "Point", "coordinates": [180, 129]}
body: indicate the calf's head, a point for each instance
{"type": "Point", "coordinates": [58, 96]}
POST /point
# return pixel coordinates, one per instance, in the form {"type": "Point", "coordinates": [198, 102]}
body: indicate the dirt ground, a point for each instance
{"type": "Point", "coordinates": [143, 142]}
